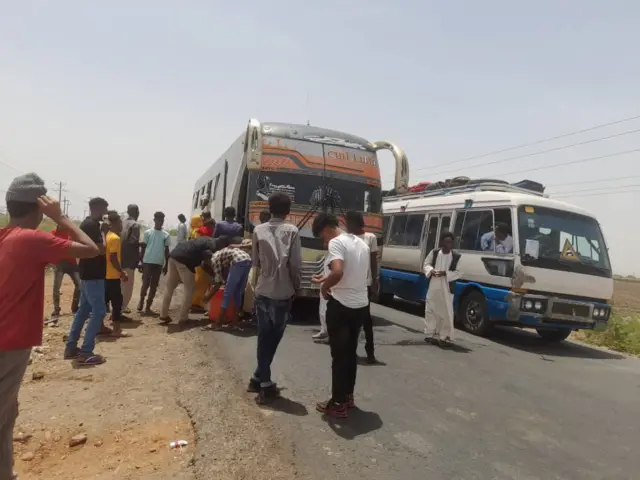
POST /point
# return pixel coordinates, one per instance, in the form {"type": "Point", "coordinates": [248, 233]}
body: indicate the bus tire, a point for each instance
{"type": "Point", "coordinates": [473, 314]}
{"type": "Point", "coordinates": [555, 335]}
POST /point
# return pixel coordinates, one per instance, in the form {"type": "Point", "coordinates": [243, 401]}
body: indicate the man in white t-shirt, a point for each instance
{"type": "Point", "coordinates": [345, 289]}
{"type": "Point", "coordinates": [355, 225]}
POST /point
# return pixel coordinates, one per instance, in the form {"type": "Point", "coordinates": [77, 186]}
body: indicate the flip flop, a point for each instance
{"type": "Point", "coordinates": [89, 360]}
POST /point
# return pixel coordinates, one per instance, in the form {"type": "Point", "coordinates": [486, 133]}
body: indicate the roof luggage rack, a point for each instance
{"type": "Point", "coordinates": [483, 186]}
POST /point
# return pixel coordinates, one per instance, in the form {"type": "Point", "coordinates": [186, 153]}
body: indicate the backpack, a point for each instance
{"type": "Point", "coordinates": [455, 258]}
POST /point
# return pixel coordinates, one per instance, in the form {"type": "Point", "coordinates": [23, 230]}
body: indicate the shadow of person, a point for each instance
{"type": "Point", "coordinates": [360, 422]}
{"type": "Point", "coordinates": [286, 405]}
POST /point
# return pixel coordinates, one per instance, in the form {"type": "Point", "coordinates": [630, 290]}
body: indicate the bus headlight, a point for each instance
{"type": "Point", "coordinates": [528, 304]}
{"type": "Point", "coordinates": [538, 305]}
{"type": "Point", "coordinates": [596, 312]}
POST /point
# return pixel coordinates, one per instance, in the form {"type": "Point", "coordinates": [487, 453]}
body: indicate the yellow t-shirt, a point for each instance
{"type": "Point", "coordinates": [112, 246]}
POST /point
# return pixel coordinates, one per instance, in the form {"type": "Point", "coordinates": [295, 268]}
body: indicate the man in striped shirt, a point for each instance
{"type": "Point", "coordinates": [230, 266]}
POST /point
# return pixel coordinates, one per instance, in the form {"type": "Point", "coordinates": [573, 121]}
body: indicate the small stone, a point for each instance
{"type": "Point", "coordinates": [27, 457]}
{"type": "Point", "coordinates": [153, 450]}
{"type": "Point", "coordinates": [79, 439]}
{"type": "Point", "coordinates": [39, 349]}
{"type": "Point", "coordinates": [21, 437]}
{"type": "Point", "coordinates": [57, 438]}
{"type": "Point", "coordinates": [98, 443]}
{"type": "Point", "coordinates": [37, 376]}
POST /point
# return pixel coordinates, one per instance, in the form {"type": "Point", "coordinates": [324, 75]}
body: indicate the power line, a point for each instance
{"type": "Point", "coordinates": [595, 189]}
{"type": "Point", "coordinates": [572, 162]}
{"type": "Point", "coordinates": [617, 192]}
{"type": "Point", "coordinates": [593, 181]}
{"type": "Point", "coordinates": [537, 142]}
{"type": "Point", "coordinates": [549, 150]}
{"type": "Point", "coordinates": [532, 154]}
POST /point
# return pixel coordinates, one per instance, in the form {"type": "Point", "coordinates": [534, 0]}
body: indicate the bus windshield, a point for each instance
{"type": "Point", "coordinates": [561, 240]}
{"type": "Point", "coordinates": [307, 191]}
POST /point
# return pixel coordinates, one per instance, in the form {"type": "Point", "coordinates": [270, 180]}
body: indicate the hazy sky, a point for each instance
{"type": "Point", "coordinates": [134, 100]}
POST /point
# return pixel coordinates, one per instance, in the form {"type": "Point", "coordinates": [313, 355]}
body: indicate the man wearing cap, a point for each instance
{"type": "Point", "coordinates": [25, 251]}
{"type": "Point", "coordinates": [130, 253]}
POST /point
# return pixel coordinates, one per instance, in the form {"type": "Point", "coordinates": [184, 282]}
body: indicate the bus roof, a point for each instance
{"type": "Point", "coordinates": [315, 134]}
{"type": "Point", "coordinates": [480, 199]}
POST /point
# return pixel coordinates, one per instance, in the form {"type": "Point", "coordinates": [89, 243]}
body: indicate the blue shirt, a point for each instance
{"type": "Point", "coordinates": [156, 241]}
{"type": "Point", "coordinates": [228, 229]}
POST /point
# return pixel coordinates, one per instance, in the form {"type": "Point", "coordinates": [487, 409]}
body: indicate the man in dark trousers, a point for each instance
{"type": "Point", "coordinates": [345, 289]}
{"type": "Point", "coordinates": [355, 225]}
{"type": "Point", "coordinates": [92, 292]}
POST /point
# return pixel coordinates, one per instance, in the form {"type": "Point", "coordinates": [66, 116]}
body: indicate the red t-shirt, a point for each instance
{"type": "Point", "coordinates": [24, 254]}
{"type": "Point", "coordinates": [206, 230]}
{"type": "Point", "coordinates": [65, 235]}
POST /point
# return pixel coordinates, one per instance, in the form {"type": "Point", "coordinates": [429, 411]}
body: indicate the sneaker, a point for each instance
{"type": "Point", "coordinates": [333, 409]}
{"type": "Point", "coordinates": [140, 307]}
{"type": "Point", "coordinates": [254, 386]}
{"type": "Point", "coordinates": [71, 353]}
{"type": "Point", "coordinates": [126, 311]}
{"type": "Point", "coordinates": [350, 401]}
{"type": "Point", "coordinates": [320, 335]}
{"type": "Point", "coordinates": [268, 394]}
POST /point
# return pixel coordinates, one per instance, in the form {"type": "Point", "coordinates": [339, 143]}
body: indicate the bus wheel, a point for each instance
{"type": "Point", "coordinates": [556, 335]}
{"type": "Point", "coordinates": [473, 314]}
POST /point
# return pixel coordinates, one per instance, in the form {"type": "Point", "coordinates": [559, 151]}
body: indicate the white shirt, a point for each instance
{"type": "Point", "coordinates": [372, 242]}
{"type": "Point", "coordinates": [182, 233]}
{"type": "Point", "coordinates": [488, 243]}
{"type": "Point", "coordinates": [351, 290]}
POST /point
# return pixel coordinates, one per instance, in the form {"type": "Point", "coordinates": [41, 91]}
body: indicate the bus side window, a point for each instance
{"type": "Point", "coordinates": [406, 230]}
{"type": "Point", "coordinates": [385, 227]}
{"type": "Point", "coordinates": [432, 233]}
{"type": "Point", "coordinates": [397, 229]}
{"type": "Point", "coordinates": [476, 223]}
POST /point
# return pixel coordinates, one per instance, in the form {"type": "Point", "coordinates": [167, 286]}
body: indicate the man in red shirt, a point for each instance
{"type": "Point", "coordinates": [24, 254]}
{"type": "Point", "coordinates": [66, 266]}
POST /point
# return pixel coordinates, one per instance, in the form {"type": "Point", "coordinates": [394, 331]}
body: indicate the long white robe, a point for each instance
{"type": "Point", "coordinates": [438, 315]}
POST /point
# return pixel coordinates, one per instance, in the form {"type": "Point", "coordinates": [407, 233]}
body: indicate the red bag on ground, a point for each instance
{"type": "Point", "coordinates": [215, 306]}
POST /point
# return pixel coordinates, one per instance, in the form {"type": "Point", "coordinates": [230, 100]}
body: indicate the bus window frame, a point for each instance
{"type": "Point", "coordinates": [439, 214]}
{"type": "Point", "coordinates": [408, 214]}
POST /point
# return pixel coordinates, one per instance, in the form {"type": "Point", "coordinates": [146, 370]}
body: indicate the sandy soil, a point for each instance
{"type": "Point", "coordinates": [626, 296]}
{"type": "Point", "coordinates": [154, 389]}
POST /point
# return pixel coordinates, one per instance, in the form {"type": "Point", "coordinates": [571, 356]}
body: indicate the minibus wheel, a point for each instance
{"type": "Point", "coordinates": [555, 335]}
{"type": "Point", "coordinates": [473, 313]}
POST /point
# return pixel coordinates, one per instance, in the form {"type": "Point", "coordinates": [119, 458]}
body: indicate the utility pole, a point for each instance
{"type": "Point", "coordinates": [60, 190]}
{"type": "Point", "coordinates": [65, 206]}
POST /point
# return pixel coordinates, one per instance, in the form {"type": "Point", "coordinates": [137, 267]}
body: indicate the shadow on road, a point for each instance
{"type": "Point", "coordinates": [517, 338]}
{"type": "Point", "coordinates": [532, 343]}
{"type": "Point", "coordinates": [359, 422]}
{"type": "Point", "coordinates": [288, 406]}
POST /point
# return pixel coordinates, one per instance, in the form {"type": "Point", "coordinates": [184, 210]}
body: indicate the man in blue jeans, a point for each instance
{"type": "Point", "coordinates": [92, 291]}
{"type": "Point", "coordinates": [234, 264]}
{"type": "Point", "coordinates": [276, 255]}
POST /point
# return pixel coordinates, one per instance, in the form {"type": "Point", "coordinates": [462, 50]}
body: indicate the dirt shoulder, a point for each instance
{"type": "Point", "coordinates": [159, 386]}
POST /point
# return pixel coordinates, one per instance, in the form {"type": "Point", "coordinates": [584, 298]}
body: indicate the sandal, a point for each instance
{"type": "Point", "coordinates": [90, 360]}
{"type": "Point", "coordinates": [212, 327]}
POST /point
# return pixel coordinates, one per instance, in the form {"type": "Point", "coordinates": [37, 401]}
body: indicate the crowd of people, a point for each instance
{"type": "Point", "coordinates": [103, 254]}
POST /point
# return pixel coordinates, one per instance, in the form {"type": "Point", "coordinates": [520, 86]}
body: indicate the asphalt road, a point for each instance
{"type": "Point", "coordinates": [508, 407]}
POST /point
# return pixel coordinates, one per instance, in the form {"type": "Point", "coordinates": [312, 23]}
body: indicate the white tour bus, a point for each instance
{"type": "Point", "coordinates": [553, 273]}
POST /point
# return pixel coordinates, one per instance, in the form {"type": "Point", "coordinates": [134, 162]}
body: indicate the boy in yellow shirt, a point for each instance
{"type": "Point", "coordinates": [115, 272]}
